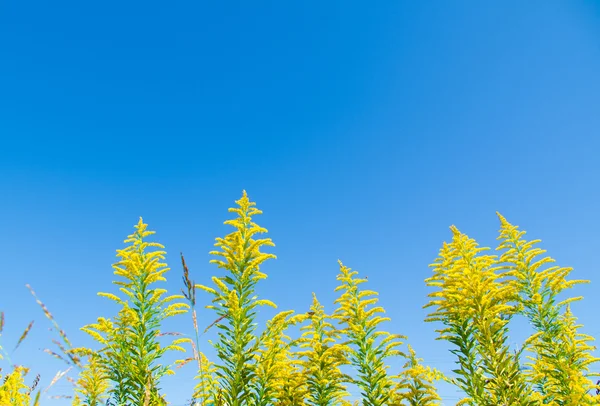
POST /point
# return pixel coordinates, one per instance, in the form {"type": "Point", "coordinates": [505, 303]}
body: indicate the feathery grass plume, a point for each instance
{"type": "Point", "coordinates": [34, 385]}
{"type": "Point", "coordinates": [205, 390]}
{"type": "Point", "coordinates": [74, 360]}
{"type": "Point", "coordinates": [1, 329]}
{"type": "Point", "coordinates": [369, 346]}
{"type": "Point", "coordinates": [415, 386]}
{"type": "Point", "coordinates": [92, 383]}
{"type": "Point", "coordinates": [236, 303]}
{"type": "Point", "coordinates": [190, 296]}
{"type": "Point", "coordinates": [71, 357]}
{"type": "Point", "coordinates": [24, 335]}
{"type": "Point", "coordinates": [272, 358]}
{"type": "Point", "coordinates": [560, 365]}
{"type": "Point", "coordinates": [322, 358]}
{"type": "Point", "coordinates": [473, 302]}
{"type": "Point", "coordinates": [130, 350]}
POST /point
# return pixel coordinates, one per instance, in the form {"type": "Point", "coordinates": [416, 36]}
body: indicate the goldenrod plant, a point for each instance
{"type": "Point", "coordinates": [416, 386]}
{"type": "Point", "coordinates": [236, 304]}
{"type": "Point", "coordinates": [475, 303]}
{"type": "Point", "coordinates": [206, 391]}
{"type": "Point", "coordinates": [14, 391]}
{"type": "Point", "coordinates": [131, 352]}
{"type": "Point", "coordinates": [368, 346]}
{"type": "Point", "coordinates": [93, 383]}
{"type": "Point", "coordinates": [475, 298]}
{"type": "Point", "coordinates": [561, 357]}
{"type": "Point", "coordinates": [281, 355]}
{"type": "Point", "coordinates": [322, 358]}
{"type": "Point", "coordinates": [276, 364]}
{"type": "Point", "coordinates": [293, 388]}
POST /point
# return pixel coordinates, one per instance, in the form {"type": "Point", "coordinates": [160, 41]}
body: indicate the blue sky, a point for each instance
{"type": "Point", "coordinates": [362, 132]}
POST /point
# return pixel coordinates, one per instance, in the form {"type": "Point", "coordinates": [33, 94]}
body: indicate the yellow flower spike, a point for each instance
{"type": "Point", "coordinates": [222, 286]}
{"type": "Point", "coordinates": [322, 359]}
{"type": "Point", "coordinates": [415, 386]}
{"type": "Point", "coordinates": [170, 299]}
{"type": "Point", "coordinates": [93, 381]}
{"type": "Point", "coordinates": [555, 340]}
{"type": "Point", "coordinates": [13, 390]}
{"type": "Point", "coordinates": [273, 359]}
{"type": "Point", "coordinates": [206, 289]}
{"type": "Point", "coordinates": [265, 302]}
{"type": "Point", "coordinates": [130, 354]}
{"type": "Point", "coordinates": [358, 315]}
{"type": "Point", "coordinates": [473, 300]}
{"type": "Point", "coordinates": [240, 256]}
{"type": "Point", "coordinates": [111, 296]}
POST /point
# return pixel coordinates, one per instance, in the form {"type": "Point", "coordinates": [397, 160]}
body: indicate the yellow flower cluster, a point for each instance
{"type": "Point", "coordinates": [475, 297]}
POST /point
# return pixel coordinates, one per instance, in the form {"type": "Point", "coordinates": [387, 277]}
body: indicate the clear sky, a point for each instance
{"type": "Point", "coordinates": [362, 131]}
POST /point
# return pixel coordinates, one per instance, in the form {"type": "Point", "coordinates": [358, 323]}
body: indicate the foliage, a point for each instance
{"type": "Point", "coordinates": [278, 374]}
{"type": "Point", "coordinates": [477, 295]}
{"type": "Point", "coordinates": [322, 359]}
{"type": "Point", "coordinates": [561, 358]}
{"type": "Point", "coordinates": [130, 349]}
{"type": "Point", "coordinates": [14, 391]}
{"type": "Point", "coordinates": [236, 304]}
{"type": "Point", "coordinates": [93, 384]}
{"type": "Point", "coordinates": [474, 305]}
{"type": "Point", "coordinates": [368, 346]}
{"type": "Point", "coordinates": [475, 299]}
{"type": "Point", "coordinates": [416, 383]}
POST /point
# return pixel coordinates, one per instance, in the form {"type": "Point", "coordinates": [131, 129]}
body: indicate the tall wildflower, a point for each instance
{"type": "Point", "coordinates": [368, 346]}
{"type": "Point", "coordinates": [275, 365]}
{"type": "Point", "coordinates": [206, 391]}
{"type": "Point", "coordinates": [92, 384]}
{"type": "Point", "coordinates": [561, 360]}
{"type": "Point", "coordinates": [416, 386]}
{"type": "Point", "coordinates": [131, 352]}
{"type": "Point", "coordinates": [292, 388]}
{"type": "Point", "coordinates": [322, 358]}
{"type": "Point", "coordinates": [14, 391]}
{"type": "Point", "coordinates": [474, 304]}
{"type": "Point", "coordinates": [235, 303]}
